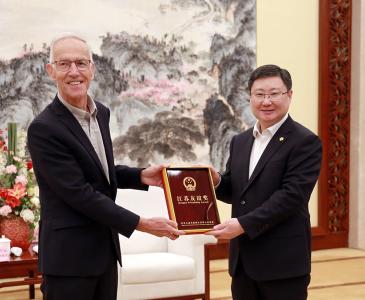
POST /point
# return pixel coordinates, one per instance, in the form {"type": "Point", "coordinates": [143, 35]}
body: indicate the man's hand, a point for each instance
{"type": "Point", "coordinates": [227, 230]}
{"type": "Point", "coordinates": [152, 175]}
{"type": "Point", "coordinates": [215, 176]}
{"type": "Point", "coordinates": [160, 227]}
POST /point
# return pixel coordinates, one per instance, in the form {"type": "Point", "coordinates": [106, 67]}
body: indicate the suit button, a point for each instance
{"type": "Point", "coordinates": [243, 202]}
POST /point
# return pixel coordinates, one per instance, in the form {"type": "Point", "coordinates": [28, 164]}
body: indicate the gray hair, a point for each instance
{"type": "Point", "coordinates": [66, 35]}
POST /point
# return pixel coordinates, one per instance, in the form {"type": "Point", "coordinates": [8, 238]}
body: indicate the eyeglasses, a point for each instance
{"type": "Point", "coordinates": [65, 65]}
{"type": "Point", "coordinates": [274, 96]}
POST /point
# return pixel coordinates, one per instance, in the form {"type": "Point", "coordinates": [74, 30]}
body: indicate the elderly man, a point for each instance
{"type": "Point", "coordinates": [72, 153]}
{"type": "Point", "coordinates": [269, 177]}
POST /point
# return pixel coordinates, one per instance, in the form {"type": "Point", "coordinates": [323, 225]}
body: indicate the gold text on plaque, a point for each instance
{"type": "Point", "coordinates": [189, 184]}
{"type": "Point", "coordinates": [194, 199]}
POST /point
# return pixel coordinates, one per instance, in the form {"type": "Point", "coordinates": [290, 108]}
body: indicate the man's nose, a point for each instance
{"type": "Point", "coordinates": [267, 100]}
{"type": "Point", "coordinates": [73, 68]}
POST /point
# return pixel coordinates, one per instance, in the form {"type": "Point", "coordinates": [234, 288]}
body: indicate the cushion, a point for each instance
{"type": "Point", "coordinates": [156, 267]}
{"type": "Point", "coordinates": [153, 290]}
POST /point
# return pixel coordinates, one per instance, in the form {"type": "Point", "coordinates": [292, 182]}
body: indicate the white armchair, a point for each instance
{"type": "Point", "coordinates": [155, 268]}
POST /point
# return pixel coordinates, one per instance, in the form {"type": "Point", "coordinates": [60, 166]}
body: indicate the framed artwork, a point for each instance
{"type": "Point", "coordinates": [172, 72]}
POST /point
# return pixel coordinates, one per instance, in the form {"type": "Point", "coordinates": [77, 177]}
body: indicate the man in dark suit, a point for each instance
{"type": "Point", "coordinates": [269, 177]}
{"type": "Point", "coordinates": [72, 154]}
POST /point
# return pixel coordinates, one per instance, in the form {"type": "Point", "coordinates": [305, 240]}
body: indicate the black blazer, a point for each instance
{"type": "Point", "coordinates": [272, 206]}
{"type": "Point", "coordinates": [79, 219]}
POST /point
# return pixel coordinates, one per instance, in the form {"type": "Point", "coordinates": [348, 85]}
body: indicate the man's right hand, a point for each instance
{"type": "Point", "coordinates": [160, 227]}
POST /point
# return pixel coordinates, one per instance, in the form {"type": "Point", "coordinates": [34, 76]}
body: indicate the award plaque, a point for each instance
{"type": "Point", "coordinates": [190, 198]}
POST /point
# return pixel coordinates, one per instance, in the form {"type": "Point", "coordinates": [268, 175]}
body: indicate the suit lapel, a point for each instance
{"type": "Point", "coordinates": [244, 162]}
{"type": "Point", "coordinates": [277, 141]}
{"type": "Point", "coordinates": [66, 117]}
{"type": "Point", "coordinates": [108, 147]}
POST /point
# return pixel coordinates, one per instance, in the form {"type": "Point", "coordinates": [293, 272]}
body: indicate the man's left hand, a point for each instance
{"type": "Point", "coordinates": [152, 175]}
{"type": "Point", "coordinates": [227, 230]}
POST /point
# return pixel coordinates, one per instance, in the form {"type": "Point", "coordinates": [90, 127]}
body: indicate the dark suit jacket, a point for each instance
{"type": "Point", "coordinates": [79, 219]}
{"type": "Point", "coordinates": [272, 206]}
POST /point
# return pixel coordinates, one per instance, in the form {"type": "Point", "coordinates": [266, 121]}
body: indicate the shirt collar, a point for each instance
{"type": "Point", "coordinates": [271, 130]}
{"type": "Point", "coordinates": [79, 112]}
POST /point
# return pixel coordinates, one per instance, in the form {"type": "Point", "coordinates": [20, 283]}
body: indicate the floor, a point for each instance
{"type": "Point", "coordinates": [337, 274]}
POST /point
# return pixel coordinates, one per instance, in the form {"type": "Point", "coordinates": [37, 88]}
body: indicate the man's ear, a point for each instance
{"type": "Point", "coordinates": [51, 71]}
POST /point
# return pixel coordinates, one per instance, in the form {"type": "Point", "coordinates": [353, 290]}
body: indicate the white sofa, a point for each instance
{"type": "Point", "coordinates": [155, 268]}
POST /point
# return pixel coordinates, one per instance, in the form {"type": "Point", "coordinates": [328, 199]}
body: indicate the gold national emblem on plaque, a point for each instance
{"type": "Point", "coordinates": [189, 183]}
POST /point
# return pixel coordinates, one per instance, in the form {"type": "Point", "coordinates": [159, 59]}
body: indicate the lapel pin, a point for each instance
{"type": "Point", "coordinates": [281, 139]}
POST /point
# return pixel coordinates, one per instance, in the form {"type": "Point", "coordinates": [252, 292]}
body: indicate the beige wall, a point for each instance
{"type": "Point", "coordinates": [290, 39]}
{"type": "Point", "coordinates": [357, 143]}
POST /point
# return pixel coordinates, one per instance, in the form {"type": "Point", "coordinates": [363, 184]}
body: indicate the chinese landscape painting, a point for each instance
{"type": "Point", "coordinates": [173, 72]}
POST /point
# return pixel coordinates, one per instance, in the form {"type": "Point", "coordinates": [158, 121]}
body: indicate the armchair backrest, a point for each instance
{"type": "Point", "coordinates": [147, 204]}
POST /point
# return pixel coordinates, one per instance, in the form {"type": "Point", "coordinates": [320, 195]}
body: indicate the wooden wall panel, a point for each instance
{"type": "Point", "coordinates": [334, 123]}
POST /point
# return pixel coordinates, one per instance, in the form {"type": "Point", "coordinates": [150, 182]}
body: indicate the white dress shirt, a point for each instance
{"type": "Point", "coordinates": [262, 139]}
